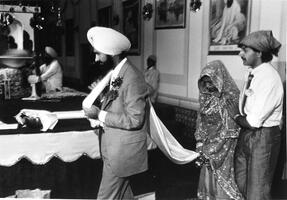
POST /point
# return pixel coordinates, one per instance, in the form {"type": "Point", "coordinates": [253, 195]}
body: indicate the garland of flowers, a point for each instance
{"type": "Point", "coordinates": [147, 11]}
{"type": "Point", "coordinates": [113, 93]}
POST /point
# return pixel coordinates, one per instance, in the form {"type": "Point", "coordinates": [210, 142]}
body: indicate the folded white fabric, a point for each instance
{"type": "Point", "coordinates": [159, 134]}
{"type": "Point", "coordinates": [4, 126]}
{"type": "Point", "coordinates": [48, 119]}
{"type": "Point", "coordinates": [167, 143]}
{"type": "Point", "coordinates": [89, 100]}
{"type": "Point", "coordinates": [33, 194]}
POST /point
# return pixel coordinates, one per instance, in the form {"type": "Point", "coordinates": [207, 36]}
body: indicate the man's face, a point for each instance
{"type": "Point", "coordinates": [47, 58]}
{"type": "Point", "coordinates": [104, 60]}
{"type": "Point", "coordinates": [100, 57]}
{"type": "Point", "coordinates": [150, 62]}
{"type": "Point", "coordinates": [206, 85]}
{"type": "Point", "coordinates": [249, 56]}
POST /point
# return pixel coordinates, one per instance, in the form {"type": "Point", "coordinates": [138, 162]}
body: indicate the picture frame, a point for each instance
{"type": "Point", "coordinates": [105, 16]}
{"type": "Point", "coordinates": [70, 46]}
{"type": "Point", "coordinates": [229, 22]}
{"type": "Point", "coordinates": [132, 25]}
{"type": "Point", "coordinates": [170, 14]}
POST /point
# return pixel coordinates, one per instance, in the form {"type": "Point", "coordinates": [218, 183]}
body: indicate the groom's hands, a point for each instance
{"type": "Point", "coordinates": [92, 112]}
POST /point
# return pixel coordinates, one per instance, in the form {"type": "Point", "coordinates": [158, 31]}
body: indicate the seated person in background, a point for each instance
{"type": "Point", "coordinates": [51, 72]}
{"type": "Point", "coordinates": [151, 75]}
{"type": "Point", "coordinates": [216, 133]}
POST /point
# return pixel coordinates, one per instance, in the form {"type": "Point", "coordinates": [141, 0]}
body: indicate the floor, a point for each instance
{"type": "Point", "coordinates": [81, 178]}
{"type": "Point", "coordinates": [179, 182]}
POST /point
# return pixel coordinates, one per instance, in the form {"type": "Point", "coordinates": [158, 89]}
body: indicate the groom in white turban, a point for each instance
{"type": "Point", "coordinates": [122, 115]}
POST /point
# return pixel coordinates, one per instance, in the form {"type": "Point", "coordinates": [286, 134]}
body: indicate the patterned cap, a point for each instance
{"type": "Point", "coordinates": [262, 41]}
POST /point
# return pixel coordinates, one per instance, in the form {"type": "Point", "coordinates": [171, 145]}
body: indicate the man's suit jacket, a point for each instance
{"type": "Point", "coordinates": [123, 141]}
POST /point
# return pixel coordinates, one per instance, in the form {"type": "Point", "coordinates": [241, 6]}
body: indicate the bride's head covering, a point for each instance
{"type": "Point", "coordinates": [213, 103]}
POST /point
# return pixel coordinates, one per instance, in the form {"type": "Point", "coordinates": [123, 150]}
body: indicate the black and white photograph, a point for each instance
{"type": "Point", "coordinates": [170, 14]}
{"type": "Point", "coordinates": [143, 99]}
{"type": "Point", "coordinates": [229, 23]}
{"type": "Point", "coordinates": [132, 24]}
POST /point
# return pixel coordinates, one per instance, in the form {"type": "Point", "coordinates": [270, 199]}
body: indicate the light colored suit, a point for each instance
{"type": "Point", "coordinates": [123, 139]}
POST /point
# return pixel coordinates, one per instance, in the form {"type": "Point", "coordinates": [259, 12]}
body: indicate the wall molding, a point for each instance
{"type": "Point", "coordinates": [184, 102]}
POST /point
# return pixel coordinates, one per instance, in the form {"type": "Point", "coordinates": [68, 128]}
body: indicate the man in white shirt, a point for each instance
{"type": "Point", "coordinates": [51, 72]}
{"type": "Point", "coordinates": [122, 115]}
{"type": "Point", "coordinates": [259, 115]}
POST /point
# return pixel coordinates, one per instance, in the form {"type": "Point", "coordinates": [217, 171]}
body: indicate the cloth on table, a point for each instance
{"type": "Point", "coordinates": [47, 119]}
{"type": "Point", "coordinates": [34, 194]}
{"type": "Point", "coordinates": [40, 148]}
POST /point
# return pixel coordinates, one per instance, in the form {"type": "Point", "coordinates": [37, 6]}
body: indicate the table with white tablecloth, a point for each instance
{"type": "Point", "coordinates": [47, 157]}
{"type": "Point", "coordinates": [63, 160]}
{"type": "Point", "coordinates": [67, 163]}
{"type": "Point", "coordinates": [40, 148]}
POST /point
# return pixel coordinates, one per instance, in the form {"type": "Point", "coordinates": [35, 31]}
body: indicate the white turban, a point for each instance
{"type": "Point", "coordinates": [107, 40]}
{"type": "Point", "coordinates": [51, 52]}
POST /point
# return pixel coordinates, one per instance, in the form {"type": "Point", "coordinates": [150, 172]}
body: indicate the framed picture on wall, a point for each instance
{"type": "Point", "coordinates": [70, 46]}
{"type": "Point", "coordinates": [105, 16]}
{"type": "Point", "coordinates": [228, 24]}
{"type": "Point", "coordinates": [132, 25]}
{"type": "Point", "coordinates": [170, 14]}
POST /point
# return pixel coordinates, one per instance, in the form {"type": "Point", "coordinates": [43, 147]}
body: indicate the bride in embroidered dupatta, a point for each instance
{"type": "Point", "coordinates": [216, 133]}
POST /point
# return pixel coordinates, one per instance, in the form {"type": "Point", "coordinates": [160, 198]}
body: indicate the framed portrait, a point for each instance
{"type": "Point", "coordinates": [170, 14]}
{"type": "Point", "coordinates": [105, 16]}
{"type": "Point", "coordinates": [70, 46]}
{"type": "Point", "coordinates": [132, 24]}
{"type": "Point", "coordinates": [228, 24]}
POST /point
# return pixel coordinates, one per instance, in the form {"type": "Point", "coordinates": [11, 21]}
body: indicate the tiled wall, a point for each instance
{"type": "Point", "coordinates": [188, 118]}
{"type": "Point", "coordinates": [181, 122]}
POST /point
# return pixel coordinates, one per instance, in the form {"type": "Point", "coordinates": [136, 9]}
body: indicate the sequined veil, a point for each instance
{"type": "Point", "coordinates": [218, 133]}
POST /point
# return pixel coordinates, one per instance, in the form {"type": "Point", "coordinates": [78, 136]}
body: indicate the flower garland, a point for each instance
{"type": "Point", "coordinates": [113, 93]}
{"type": "Point", "coordinates": [147, 11]}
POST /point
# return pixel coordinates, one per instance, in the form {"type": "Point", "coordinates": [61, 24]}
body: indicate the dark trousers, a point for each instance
{"type": "Point", "coordinates": [255, 161]}
{"type": "Point", "coordinates": [114, 187]}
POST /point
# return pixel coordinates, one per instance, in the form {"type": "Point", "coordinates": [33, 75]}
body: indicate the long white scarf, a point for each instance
{"type": "Point", "coordinates": [159, 134]}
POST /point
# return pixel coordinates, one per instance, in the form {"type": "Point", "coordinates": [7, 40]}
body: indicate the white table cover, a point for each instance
{"type": "Point", "coordinates": [40, 148]}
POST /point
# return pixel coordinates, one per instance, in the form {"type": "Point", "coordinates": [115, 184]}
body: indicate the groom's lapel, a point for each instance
{"type": "Point", "coordinates": [104, 101]}
{"type": "Point", "coordinates": [107, 100]}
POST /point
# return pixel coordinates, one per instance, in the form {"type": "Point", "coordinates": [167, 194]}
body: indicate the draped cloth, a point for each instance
{"type": "Point", "coordinates": [218, 133]}
{"type": "Point", "coordinates": [165, 141]}
{"type": "Point", "coordinates": [159, 134]}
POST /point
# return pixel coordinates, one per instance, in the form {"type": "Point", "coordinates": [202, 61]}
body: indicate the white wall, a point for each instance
{"type": "Point", "coordinates": [265, 15]}
{"type": "Point", "coordinates": [179, 74]}
{"type": "Point", "coordinates": [183, 52]}
{"type": "Point", "coordinates": [83, 14]}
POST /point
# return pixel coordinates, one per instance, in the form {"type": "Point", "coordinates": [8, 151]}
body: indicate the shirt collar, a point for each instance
{"type": "Point", "coordinates": [259, 68]}
{"type": "Point", "coordinates": [118, 68]}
